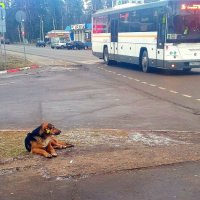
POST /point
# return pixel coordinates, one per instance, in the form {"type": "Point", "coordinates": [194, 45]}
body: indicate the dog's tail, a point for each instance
{"type": "Point", "coordinates": [27, 142]}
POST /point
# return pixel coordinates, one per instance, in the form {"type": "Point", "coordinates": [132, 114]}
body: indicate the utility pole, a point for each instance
{"type": "Point", "coordinates": [21, 18]}
{"type": "Point", "coordinates": [41, 28]}
{"type": "Point", "coordinates": [3, 29]}
{"type": "Point", "coordinates": [42, 25]}
{"type": "Point", "coordinates": [19, 35]}
{"type": "Point", "coordinates": [23, 37]}
{"type": "Point", "coordinates": [54, 27]}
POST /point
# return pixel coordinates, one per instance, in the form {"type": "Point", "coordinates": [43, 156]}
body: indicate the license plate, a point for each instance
{"type": "Point", "coordinates": [194, 63]}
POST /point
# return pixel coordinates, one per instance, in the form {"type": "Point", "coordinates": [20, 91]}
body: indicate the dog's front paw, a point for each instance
{"type": "Point", "coordinates": [54, 154]}
{"type": "Point", "coordinates": [69, 145]}
{"type": "Point", "coordinates": [48, 155]}
{"type": "Point", "coordinates": [63, 147]}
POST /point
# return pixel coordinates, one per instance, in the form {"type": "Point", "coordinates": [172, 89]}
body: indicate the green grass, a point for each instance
{"type": "Point", "coordinates": [12, 144]}
{"type": "Point", "coordinates": [13, 62]}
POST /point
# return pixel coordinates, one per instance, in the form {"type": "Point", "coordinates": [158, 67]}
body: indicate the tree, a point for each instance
{"type": "Point", "coordinates": [46, 15]}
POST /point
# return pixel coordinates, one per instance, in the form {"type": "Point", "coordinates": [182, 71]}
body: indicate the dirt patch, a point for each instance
{"type": "Point", "coordinates": [100, 151]}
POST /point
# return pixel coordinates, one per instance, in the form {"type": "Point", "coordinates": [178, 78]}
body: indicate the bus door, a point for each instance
{"type": "Point", "coordinates": [161, 40]}
{"type": "Point", "coordinates": [114, 39]}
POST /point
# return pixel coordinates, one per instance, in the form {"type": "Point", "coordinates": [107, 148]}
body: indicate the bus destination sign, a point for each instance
{"type": "Point", "coordinates": [190, 7]}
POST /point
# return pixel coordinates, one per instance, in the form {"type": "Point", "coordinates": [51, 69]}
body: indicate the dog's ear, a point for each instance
{"type": "Point", "coordinates": [50, 126]}
{"type": "Point", "coordinates": [44, 126]}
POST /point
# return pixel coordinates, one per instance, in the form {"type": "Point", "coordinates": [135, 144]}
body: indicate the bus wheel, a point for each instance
{"type": "Point", "coordinates": [144, 64]}
{"type": "Point", "coordinates": [106, 56]}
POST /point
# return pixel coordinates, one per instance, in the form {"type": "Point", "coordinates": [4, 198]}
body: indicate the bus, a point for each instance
{"type": "Point", "coordinates": [161, 34]}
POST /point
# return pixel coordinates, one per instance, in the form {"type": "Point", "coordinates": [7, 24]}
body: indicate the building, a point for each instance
{"type": "Point", "coordinates": [58, 34]}
{"type": "Point", "coordinates": [80, 32]}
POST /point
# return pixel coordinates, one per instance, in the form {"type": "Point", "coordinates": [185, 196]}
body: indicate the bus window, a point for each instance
{"type": "Point", "coordinates": [124, 22]}
{"type": "Point", "coordinates": [141, 21]}
{"type": "Point", "coordinates": [184, 22]}
{"type": "Point", "coordinates": [161, 31]}
{"type": "Point", "coordinates": [134, 22]}
{"type": "Point", "coordinates": [100, 24]}
{"type": "Point", "coordinates": [148, 20]}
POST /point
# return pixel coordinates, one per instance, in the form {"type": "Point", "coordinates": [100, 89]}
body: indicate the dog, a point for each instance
{"type": "Point", "coordinates": [42, 141]}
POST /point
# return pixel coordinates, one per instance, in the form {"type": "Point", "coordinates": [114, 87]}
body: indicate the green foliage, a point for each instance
{"type": "Point", "coordinates": [55, 14]}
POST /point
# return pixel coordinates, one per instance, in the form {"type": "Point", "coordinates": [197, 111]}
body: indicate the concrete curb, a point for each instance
{"type": "Point", "coordinates": [19, 69]}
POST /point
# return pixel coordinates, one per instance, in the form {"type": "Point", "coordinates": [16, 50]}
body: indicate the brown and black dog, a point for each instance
{"type": "Point", "coordinates": [42, 141]}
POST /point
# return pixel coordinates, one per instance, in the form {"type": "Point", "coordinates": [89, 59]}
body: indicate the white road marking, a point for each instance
{"type": "Point", "coordinates": [152, 85]}
{"type": "Point", "coordinates": [185, 95]}
{"type": "Point", "coordinates": [162, 88]}
{"type": "Point", "coordinates": [172, 91]}
{"type": "Point", "coordinates": [88, 62]}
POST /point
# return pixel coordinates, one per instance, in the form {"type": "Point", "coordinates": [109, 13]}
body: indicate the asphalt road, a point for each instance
{"type": "Point", "coordinates": [179, 182]}
{"type": "Point", "coordinates": [94, 95]}
{"type": "Point", "coordinates": [75, 56]}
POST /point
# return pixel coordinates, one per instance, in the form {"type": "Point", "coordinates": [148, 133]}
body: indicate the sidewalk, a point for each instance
{"type": "Point", "coordinates": [180, 182]}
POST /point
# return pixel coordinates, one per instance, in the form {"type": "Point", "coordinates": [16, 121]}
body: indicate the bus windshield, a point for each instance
{"type": "Point", "coordinates": [183, 24]}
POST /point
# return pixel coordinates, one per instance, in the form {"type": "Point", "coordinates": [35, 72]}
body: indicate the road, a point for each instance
{"type": "Point", "coordinates": [97, 95]}
{"type": "Point", "coordinates": [179, 182]}
{"type": "Point", "coordinates": [75, 56]}
{"type": "Point", "coordinates": [88, 94]}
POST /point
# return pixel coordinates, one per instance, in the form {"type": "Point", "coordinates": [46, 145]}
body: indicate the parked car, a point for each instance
{"type": "Point", "coordinates": [40, 43]}
{"type": "Point", "coordinates": [7, 41]}
{"type": "Point", "coordinates": [75, 45]}
{"type": "Point", "coordinates": [69, 45]}
{"type": "Point", "coordinates": [58, 45]}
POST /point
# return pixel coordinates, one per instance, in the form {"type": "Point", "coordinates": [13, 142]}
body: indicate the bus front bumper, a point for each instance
{"type": "Point", "coordinates": [181, 65]}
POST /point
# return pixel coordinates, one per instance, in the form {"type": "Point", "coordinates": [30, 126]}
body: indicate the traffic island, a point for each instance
{"type": "Point", "coordinates": [100, 151]}
{"type": "Point", "coordinates": [11, 64]}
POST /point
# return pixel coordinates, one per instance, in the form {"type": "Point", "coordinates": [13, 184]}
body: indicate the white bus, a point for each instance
{"type": "Point", "coordinates": [163, 34]}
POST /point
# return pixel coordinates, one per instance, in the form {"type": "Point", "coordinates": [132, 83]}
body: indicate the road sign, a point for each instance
{"type": "Point", "coordinates": [20, 16]}
{"type": "Point", "coordinates": [2, 19]}
{"type": "Point", "coordinates": [2, 5]}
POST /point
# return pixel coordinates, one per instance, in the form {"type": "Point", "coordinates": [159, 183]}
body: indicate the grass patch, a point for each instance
{"type": "Point", "coordinates": [13, 62]}
{"type": "Point", "coordinates": [12, 144]}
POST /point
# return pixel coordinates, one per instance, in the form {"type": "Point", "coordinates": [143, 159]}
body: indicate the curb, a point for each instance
{"type": "Point", "coordinates": [19, 69]}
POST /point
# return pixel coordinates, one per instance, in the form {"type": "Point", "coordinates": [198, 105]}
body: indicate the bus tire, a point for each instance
{"type": "Point", "coordinates": [144, 61]}
{"type": "Point", "coordinates": [106, 56]}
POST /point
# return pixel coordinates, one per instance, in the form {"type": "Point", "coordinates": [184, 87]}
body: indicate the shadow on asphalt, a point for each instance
{"type": "Point", "coordinates": [164, 72]}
